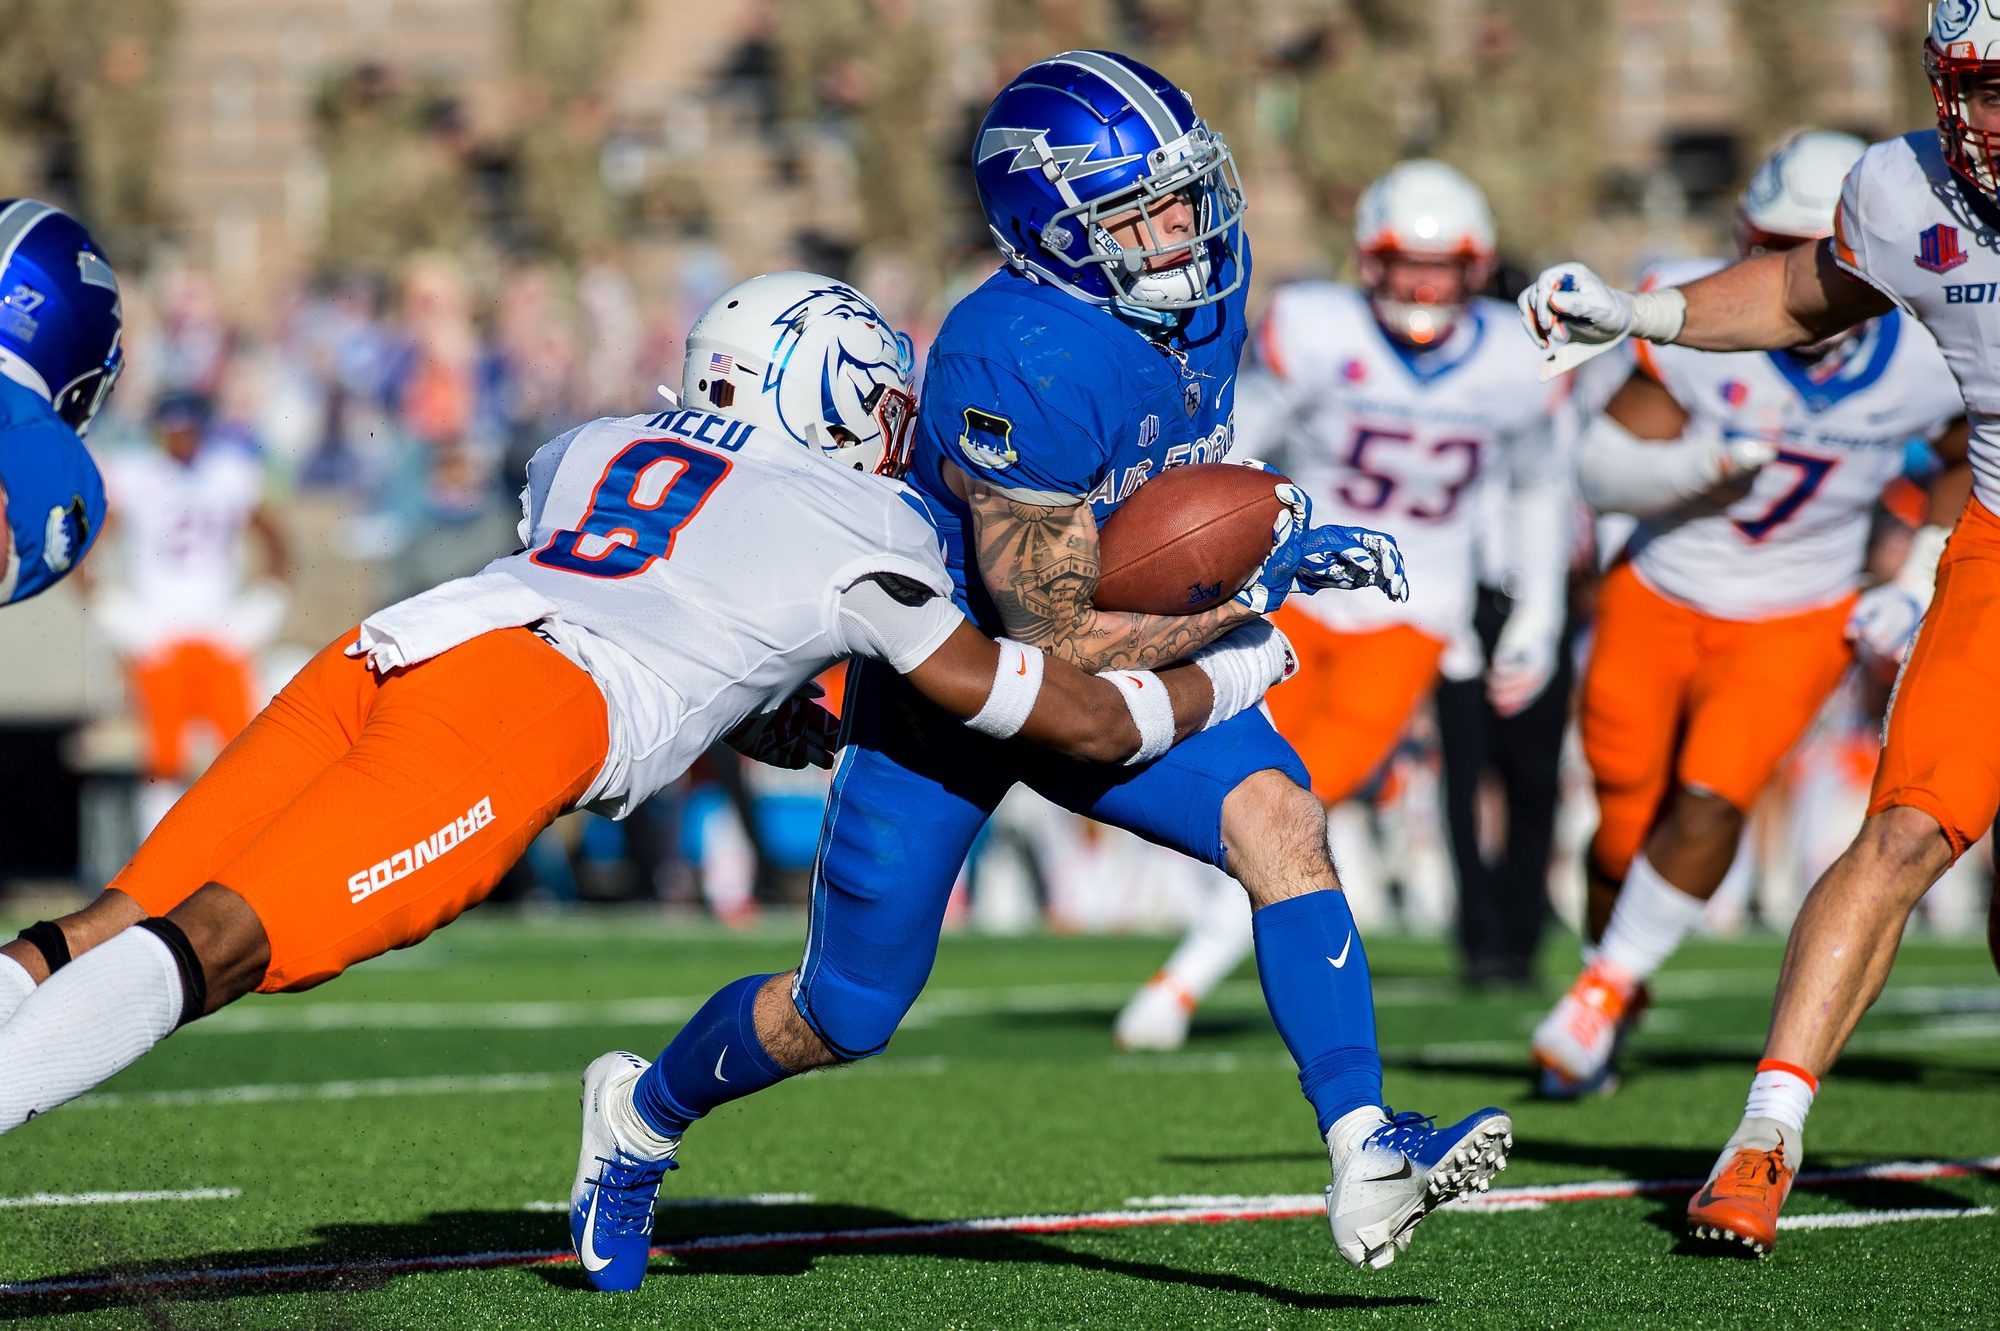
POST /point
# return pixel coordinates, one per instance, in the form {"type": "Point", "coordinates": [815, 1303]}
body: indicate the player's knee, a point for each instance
{"type": "Point", "coordinates": [1905, 843]}
{"type": "Point", "coordinates": [852, 1020]}
{"type": "Point", "coordinates": [1701, 818]}
{"type": "Point", "coordinates": [222, 939]}
{"type": "Point", "coordinates": [1274, 837]}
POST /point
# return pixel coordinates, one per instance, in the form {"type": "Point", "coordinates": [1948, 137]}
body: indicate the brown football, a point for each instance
{"type": "Point", "coordinates": [1187, 540]}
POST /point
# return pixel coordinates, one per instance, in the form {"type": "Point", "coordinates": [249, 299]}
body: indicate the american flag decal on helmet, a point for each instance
{"type": "Point", "coordinates": [1937, 249]}
{"type": "Point", "coordinates": [721, 364]}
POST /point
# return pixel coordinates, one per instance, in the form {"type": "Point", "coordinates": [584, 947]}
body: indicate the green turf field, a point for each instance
{"type": "Point", "coordinates": [1001, 1097]}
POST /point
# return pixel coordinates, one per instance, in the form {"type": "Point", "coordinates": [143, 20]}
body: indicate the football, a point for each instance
{"type": "Point", "coordinates": [1187, 540]}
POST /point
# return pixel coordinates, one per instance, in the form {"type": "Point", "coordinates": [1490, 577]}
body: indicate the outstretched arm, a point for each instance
{"type": "Point", "coordinates": [1777, 300]}
{"type": "Point", "coordinates": [1040, 565]}
{"type": "Point", "coordinates": [1763, 303]}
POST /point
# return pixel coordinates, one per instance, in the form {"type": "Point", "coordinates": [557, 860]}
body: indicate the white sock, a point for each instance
{"type": "Point", "coordinates": [1650, 920]}
{"type": "Point", "coordinates": [1350, 1130]}
{"type": "Point", "coordinates": [93, 1019]}
{"type": "Point", "coordinates": [634, 1135]}
{"type": "Point", "coordinates": [15, 986]}
{"type": "Point", "coordinates": [1782, 1092]}
{"type": "Point", "coordinates": [1216, 942]}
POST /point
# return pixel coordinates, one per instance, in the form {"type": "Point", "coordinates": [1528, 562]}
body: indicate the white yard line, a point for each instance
{"type": "Point", "coordinates": [110, 1198]}
{"type": "Point", "coordinates": [1857, 1219]}
{"type": "Point", "coordinates": [1156, 1211]}
{"type": "Point", "coordinates": [331, 1090]}
{"type": "Point", "coordinates": [674, 1203]}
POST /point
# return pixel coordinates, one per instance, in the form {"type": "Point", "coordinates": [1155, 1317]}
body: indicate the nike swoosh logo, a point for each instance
{"type": "Point", "coordinates": [1402, 1173]}
{"type": "Point", "coordinates": [1345, 948]}
{"type": "Point", "coordinates": [718, 1063]}
{"type": "Point", "coordinates": [1023, 667]}
{"type": "Point", "coordinates": [586, 1251]}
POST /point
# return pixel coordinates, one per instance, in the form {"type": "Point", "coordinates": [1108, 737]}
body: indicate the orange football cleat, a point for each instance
{"type": "Point", "coordinates": [1742, 1198]}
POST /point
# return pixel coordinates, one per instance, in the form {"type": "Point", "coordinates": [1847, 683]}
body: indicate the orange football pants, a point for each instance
{"type": "Point", "coordinates": [1352, 697]}
{"type": "Point", "coordinates": [184, 682]}
{"type": "Point", "coordinates": [1942, 753]}
{"type": "Point", "coordinates": [358, 813]}
{"type": "Point", "coordinates": [1677, 697]}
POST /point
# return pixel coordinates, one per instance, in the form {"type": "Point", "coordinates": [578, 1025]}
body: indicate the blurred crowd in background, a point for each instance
{"type": "Point", "coordinates": [387, 248]}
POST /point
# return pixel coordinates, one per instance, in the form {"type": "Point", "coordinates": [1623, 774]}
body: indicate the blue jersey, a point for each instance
{"type": "Point", "coordinates": [1052, 400]}
{"type": "Point", "coordinates": [54, 496]}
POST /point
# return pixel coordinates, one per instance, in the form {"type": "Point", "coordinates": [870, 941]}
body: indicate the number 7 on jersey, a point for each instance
{"type": "Point", "coordinates": [648, 493]}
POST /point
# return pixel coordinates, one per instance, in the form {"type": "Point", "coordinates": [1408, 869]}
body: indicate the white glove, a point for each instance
{"type": "Point", "coordinates": [1882, 627]}
{"type": "Point", "coordinates": [1524, 660]}
{"type": "Point", "coordinates": [1885, 620]}
{"type": "Point", "coordinates": [1574, 314]}
{"type": "Point", "coordinates": [1242, 664]}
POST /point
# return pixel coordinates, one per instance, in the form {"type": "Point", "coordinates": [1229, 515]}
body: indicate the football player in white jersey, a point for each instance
{"type": "Point", "coordinates": [684, 575]}
{"type": "Point", "coordinates": [1391, 404]}
{"type": "Point", "coordinates": [1723, 625]}
{"type": "Point", "coordinates": [1918, 231]}
{"type": "Point", "coordinates": [180, 613]}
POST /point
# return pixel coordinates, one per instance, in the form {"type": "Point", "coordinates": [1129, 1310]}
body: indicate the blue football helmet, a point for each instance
{"type": "Point", "coordinates": [1087, 137]}
{"type": "Point", "coordinates": [59, 314]}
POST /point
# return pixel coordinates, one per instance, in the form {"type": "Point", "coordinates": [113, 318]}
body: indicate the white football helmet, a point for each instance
{"type": "Point", "coordinates": [1792, 197]}
{"type": "Point", "coordinates": [809, 357]}
{"type": "Point", "coordinates": [1423, 209]}
{"type": "Point", "coordinates": [1964, 48]}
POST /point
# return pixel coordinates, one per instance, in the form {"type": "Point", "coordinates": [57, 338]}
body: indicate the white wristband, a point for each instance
{"type": "Point", "coordinates": [1919, 572]}
{"type": "Point", "coordinates": [1017, 681]}
{"type": "Point", "coordinates": [1659, 316]}
{"type": "Point", "coordinates": [1242, 665]}
{"type": "Point", "coordinates": [1152, 711]}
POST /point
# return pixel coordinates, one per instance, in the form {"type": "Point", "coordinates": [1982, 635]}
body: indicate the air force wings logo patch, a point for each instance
{"type": "Point", "coordinates": [988, 440]}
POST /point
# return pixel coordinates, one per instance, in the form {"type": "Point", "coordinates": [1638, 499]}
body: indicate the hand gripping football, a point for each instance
{"type": "Point", "coordinates": [1187, 540]}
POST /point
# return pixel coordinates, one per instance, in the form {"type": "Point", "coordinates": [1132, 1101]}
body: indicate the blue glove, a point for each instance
{"type": "Point", "coordinates": [1350, 558]}
{"type": "Point", "coordinates": [1266, 592]}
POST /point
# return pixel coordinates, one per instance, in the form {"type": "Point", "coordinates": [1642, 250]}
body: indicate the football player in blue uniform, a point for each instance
{"type": "Point", "coordinates": [59, 356]}
{"type": "Point", "coordinates": [1105, 351]}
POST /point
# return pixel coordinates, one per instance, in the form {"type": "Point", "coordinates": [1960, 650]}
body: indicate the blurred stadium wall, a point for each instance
{"type": "Point", "coordinates": [521, 203]}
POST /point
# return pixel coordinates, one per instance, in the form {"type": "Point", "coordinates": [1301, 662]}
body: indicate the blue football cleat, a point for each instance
{"type": "Point", "coordinates": [611, 1201]}
{"type": "Point", "coordinates": [1404, 1170]}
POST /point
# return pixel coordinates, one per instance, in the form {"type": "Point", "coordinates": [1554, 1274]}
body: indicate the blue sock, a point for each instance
{"type": "Point", "coordinates": [716, 1058]}
{"type": "Point", "coordinates": [1315, 976]}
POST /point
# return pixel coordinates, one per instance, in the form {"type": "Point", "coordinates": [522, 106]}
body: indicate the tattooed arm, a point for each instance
{"type": "Point", "coordinates": [1040, 566]}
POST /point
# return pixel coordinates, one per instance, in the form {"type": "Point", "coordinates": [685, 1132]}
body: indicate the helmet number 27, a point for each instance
{"type": "Point", "coordinates": [648, 493]}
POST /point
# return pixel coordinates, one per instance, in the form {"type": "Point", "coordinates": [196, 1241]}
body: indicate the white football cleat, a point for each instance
{"type": "Point", "coordinates": [1579, 1040]}
{"type": "Point", "coordinates": [611, 1199]}
{"type": "Point", "coordinates": [1402, 1171]}
{"type": "Point", "coordinates": [1157, 1018]}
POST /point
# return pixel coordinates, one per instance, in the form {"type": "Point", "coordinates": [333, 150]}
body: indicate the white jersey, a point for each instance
{"type": "Point", "coordinates": [1403, 443]}
{"type": "Point", "coordinates": [181, 533]}
{"type": "Point", "coordinates": [1799, 538]}
{"type": "Point", "coordinates": [701, 570]}
{"type": "Point", "coordinates": [1906, 227]}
